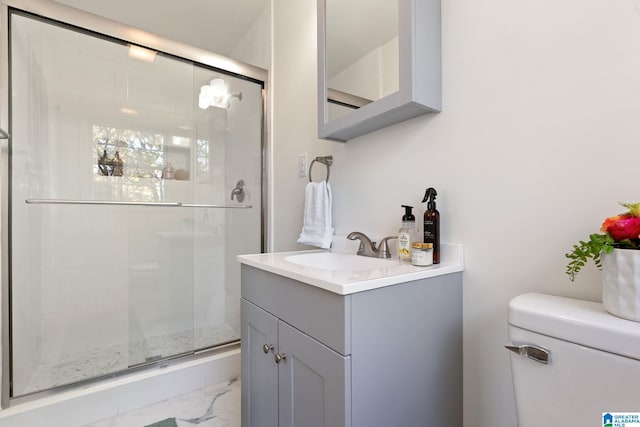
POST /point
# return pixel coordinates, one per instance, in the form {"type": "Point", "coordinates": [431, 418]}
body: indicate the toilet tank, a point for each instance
{"type": "Point", "coordinates": [593, 362]}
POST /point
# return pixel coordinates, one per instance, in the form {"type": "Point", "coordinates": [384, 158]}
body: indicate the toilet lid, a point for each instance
{"type": "Point", "coordinates": [577, 321]}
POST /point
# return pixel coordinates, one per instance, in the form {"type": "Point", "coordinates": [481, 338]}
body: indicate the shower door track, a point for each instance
{"type": "Point", "coordinates": [117, 203]}
{"type": "Point", "coordinates": [161, 363]}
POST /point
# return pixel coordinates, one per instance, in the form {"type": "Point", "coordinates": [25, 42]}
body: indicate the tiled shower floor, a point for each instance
{"type": "Point", "coordinates": [213, 406]}
{"type": "Point", "coordinates": [74, 367]}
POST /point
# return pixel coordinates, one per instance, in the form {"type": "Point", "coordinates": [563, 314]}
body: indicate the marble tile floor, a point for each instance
{"type": "Point", "coordinates": [213, 406]}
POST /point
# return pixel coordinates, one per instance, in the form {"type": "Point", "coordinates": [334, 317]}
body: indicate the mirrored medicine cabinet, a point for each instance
{"type": "Point", "coordinates": [378, 64]}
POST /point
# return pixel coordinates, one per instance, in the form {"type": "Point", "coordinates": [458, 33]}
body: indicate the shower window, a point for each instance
{"type": "Point", "coordinates": [141, 152]}
{"type": "Point", "coordinates": [123, 231]}
{"type": "Point", "coordinates": [136, 156]}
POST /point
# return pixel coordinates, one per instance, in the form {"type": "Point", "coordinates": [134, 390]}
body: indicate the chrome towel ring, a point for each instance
{"type": "Point", "coordinates": [325, 160]}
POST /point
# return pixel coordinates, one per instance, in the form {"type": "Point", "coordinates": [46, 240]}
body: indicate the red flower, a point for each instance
{"type": "Point", "coordinates": [612, 220]}
{"type": "Point", "coordinates": [622, 227]}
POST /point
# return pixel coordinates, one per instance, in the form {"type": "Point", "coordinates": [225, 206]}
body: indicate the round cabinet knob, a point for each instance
{"type": "Point", "coordinates": [280, 357]}
{"type": "Point", "coordinates": [266, 348]}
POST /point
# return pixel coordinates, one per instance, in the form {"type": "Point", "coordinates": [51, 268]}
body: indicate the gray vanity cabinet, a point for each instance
{"type": "Point", "coordinates": [313, 382]}
{"type": "Point", "coordinates": [291, 379]}
{"type": "Point", "coordinates": [259, 375]}
{"type": "Point", "coordinates": [390, 356]}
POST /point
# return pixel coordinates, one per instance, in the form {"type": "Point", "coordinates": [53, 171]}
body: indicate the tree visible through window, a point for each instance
{"type": "Point", "coordinates": [136, 157]}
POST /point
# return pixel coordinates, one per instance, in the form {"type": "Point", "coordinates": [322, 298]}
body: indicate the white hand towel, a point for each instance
{"type": "Point", "coordinates": [317, 229]}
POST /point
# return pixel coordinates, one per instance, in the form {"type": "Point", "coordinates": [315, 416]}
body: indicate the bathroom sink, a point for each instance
{"type": "Point", "coordinates": [346, 273]}
{"type": "Point", "coordinates": [340, 261]}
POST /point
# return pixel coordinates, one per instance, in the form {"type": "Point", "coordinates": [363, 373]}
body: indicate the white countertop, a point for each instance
{"type": "Point", "coordinates": [348, 281]}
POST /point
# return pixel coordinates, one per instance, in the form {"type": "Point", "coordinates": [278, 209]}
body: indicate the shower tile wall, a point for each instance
{"type": "Point", "coordinates": [107, 288]}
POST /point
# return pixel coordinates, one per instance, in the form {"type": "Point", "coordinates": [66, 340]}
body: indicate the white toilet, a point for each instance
{"type": "Point", "coordinates": [592, 366]}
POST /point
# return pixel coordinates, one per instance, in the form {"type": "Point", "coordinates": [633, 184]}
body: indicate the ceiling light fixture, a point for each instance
{"type": "Point", "coordinates": [141, 53]}
{"type": "Point", "coordinates": [127, 110]}
{"type": "Point", "coordinates": [216, 94]}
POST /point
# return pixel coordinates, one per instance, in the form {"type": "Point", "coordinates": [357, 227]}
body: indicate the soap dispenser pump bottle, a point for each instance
{"type": "Point", "coordinates": [432, 223]}
{"type": "Point", "coordinates": [406, 234]}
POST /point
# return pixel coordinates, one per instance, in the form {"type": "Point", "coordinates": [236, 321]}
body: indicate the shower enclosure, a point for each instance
{"type": "Point", "coordinates": [132, 179]}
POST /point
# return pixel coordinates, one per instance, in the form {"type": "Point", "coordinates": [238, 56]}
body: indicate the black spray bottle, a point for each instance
{"type": "Point", "coordinates": [432, 223]}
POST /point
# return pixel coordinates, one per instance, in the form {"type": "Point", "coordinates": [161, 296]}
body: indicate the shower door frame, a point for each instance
{"type": "Point", "coordinates": [96, 24]}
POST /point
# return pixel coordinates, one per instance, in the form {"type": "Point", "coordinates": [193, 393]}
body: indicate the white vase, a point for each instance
{"type": "Point", "coordinates": [621, 283]}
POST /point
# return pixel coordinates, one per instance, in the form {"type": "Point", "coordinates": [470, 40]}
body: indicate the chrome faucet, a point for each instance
{"type": "Point", "coordinates": [368, 248]}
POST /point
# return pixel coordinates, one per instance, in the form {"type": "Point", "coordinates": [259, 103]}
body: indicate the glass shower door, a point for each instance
{"type": "Point", "coordinates": [123, 229]}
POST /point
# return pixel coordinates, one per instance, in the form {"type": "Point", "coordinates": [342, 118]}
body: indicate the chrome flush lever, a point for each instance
{"type": "Point", "coordinates": [533, 352]}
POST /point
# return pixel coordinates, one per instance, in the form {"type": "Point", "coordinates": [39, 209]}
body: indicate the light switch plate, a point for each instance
{"type": "Point", "coordinates": [302, 165]}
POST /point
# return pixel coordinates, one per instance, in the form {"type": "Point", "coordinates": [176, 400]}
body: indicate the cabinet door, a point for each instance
{"type": "Point", "coordinates": [314, 382]}
{"type": "Point", "coordinates": [259, 370]}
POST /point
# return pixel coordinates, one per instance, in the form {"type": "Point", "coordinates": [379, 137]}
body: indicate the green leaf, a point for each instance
{"type": "Point", "coordinates": [591, 250]}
